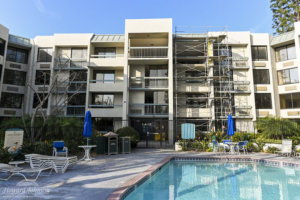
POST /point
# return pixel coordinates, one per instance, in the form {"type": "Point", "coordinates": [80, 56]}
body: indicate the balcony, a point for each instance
{"type": "Point", "coordinates": [106, 86]}
{"type": "Point", "coordinates": [68, 110]}
{"type": "Point", "coordinates": [148, 52]}
{"type": "Point", "coordinates": [194, 112]}
{"type": "Point", "coordinates": [73, 87]}
{"type": "Point", "coordinates": [70, 64]}
{"type": "Point", "coordinates": [76, 111]}
{"type": "Point", "coordinates": [242, 112]}
{"type": "Point", "coordinates": [107, 60]}
{"type": "Point", "coordinates": [106, 110]}
{"type": "Point", "coordinates": [150, 110]}
{"type": "Point", "coordinates": [242, 87]}
{"type": "Point", "coordinates": [193, 87]}
{"type": "Point", "coordinates": [148, 83]}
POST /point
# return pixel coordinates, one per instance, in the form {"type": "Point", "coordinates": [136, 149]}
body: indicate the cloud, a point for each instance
{"type": "Point", "coordinates": [39, 5]}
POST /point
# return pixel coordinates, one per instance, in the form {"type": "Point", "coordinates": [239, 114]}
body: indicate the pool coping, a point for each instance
{"type": "Point", "coordinates": [121, 192]}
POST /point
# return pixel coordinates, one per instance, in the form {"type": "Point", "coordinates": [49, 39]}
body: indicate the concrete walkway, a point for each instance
{"type": "Point", "coordinates": [92, 180]}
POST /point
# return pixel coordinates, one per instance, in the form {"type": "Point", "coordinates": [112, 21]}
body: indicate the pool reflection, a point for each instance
{"type": "Point", "coordinates": [208, 180]}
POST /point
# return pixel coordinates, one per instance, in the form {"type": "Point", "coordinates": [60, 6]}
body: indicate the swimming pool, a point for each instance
{"type": "Point", "coordinates": [191, 180]}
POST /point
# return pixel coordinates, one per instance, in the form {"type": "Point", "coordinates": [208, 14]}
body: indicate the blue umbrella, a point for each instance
{"type": "Point", "coordinates": [230, 131]}
{"type": "Point", "coordinates": [87, 130]}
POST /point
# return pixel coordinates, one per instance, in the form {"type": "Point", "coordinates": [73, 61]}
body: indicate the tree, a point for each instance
{"type": "Point", "coordinates": [57, 86]}
{"type": "Point", "coordinates": [285, 13]}
{"type": "Point", "coordinates": [276, 128]}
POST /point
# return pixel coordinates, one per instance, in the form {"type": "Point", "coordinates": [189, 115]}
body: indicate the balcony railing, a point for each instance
{"type": "Point", "coordinates": [148, 83]}
{"type": "Point", "coordinates": [106, 81]}
{"type": "Point", "coordinates": [108, 56]}
{"type": "Point", "coordinates": [148, 109]}
{"type": "Point", "coordinates": [78, 110]}
{"type": "Point", "coordinates": [71, 110]}
{"type": "Point", "coordinates": [70, 63]}
{"type": "Point", "coordinates": [104, 105]}
{"type": "Point", "coordinates": [74, 86]}
{"type": "Point", "coordinates": [148, 52]}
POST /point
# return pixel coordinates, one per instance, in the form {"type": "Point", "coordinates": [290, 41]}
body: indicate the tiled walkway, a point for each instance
{"type": "Point", "coordinates": [98, 178]}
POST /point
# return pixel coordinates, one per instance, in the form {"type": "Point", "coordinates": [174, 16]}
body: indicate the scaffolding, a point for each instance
{"type": "Point", "coordinates": [203, 77]}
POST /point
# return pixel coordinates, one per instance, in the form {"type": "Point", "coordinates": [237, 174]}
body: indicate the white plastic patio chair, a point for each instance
{"type": "Point", "coordinates": [286, 148]}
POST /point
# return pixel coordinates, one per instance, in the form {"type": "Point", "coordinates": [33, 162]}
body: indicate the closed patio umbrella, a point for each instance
{"type": "Point", "coordinates": [230, 131]}
{"type": "Point", "coordinates": [87, 130]}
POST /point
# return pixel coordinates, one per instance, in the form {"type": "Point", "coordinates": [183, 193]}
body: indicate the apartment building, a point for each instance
{"type": "Point", "coordinates": [152, 78]}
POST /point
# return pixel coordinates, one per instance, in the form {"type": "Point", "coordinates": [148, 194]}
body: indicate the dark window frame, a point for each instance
{"type": "Point", "coordinates": [261, 78]}
{"type": "Point", "coordinates": [40, 77]}
{"type": "Point", "coordinates": [256, 53]}
{"type": "Point", "coordinates": [261, 100]}
{"type": "Point", "coordinates": [9, 101]}
{"type": "Point", "coordinates": [15, 53]}
{"type": "Point", "coordinates": [35, 101]}
{"type": "Point", "coordinates": [11, 77]}
{"type": "Point", "coordinates": [48, 57]}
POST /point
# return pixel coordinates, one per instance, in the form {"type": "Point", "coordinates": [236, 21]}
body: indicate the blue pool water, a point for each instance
{"type": "Point", "coordinates": [185, 180]}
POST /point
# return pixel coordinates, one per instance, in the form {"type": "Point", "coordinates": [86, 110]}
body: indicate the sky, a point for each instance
{"type": "Point", "coordinates": [29, 18]}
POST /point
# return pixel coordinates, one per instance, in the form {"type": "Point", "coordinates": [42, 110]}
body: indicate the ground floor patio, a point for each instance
{"type": "Point", "coordinates": [97, 179]}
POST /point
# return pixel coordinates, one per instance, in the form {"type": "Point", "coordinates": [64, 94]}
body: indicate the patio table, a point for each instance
{"type": "Point", "coordinates": [232, 145]}
{"type": "Point", "coordinates": [16, 163]}
{"type": "Point", "coordinates": [87, 149]}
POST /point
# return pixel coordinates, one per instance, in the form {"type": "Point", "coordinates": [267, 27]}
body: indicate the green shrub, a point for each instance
{"type": "Point", "coordinates": [209, 149]}
{"type": "Point", "coordinates": [38, 148]}
{"type": "Point", "coordinates": [272, 149]}
{"type": "Point", "coordinates": [132, 133]}
{"type": "Point", "coordinates": [252, 148]}
{"type": "Point", "coordinates": [5, 155]}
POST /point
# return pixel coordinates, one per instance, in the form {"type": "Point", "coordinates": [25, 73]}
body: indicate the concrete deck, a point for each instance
{"type": "Point", "coordinates": [98, 178]}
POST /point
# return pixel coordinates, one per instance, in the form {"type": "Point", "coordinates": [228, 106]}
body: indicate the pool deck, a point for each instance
{"type": "Point", "coordinates": [108, 177]}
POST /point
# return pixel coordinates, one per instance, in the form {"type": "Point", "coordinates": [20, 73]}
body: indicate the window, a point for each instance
{"type": "Point", "coordinates": [263, 101]}
{"type": "Point", "coordinates": [44, 55]}
{"type": "Point", "coordinates": [78, 53]}
{"type": "Point", "coordinates": [156, 97]}
{"type": "Point", "coordinates": [2, 47]}
{"type": "Point", "coordinates": [78, 75]}
{"type": "Point", "coordinates": [156, 71]}
{"type": "Point", "coordinates": [289, 100]}
{"type": "Point", "coordinates": [17, 55]}
{"type": "Point", "coordinates": [105, 76]}
{"type": "Point", "coordinates": [105, 52]}
{"type": "Point", "coordinates": [10, 100]}
{"type": "Point", "coordinates": [105, 100]}
{"type": "Point", "coordinates": [285, 53]}
{"type": "Point", "coordinates": [77, 100]}
{"type": "Point", "coordinates": [261, 76]}
{"type": "Point", "coordinates": [259, 53]}
{"type": "Point", "coordinates": [14, 77]}
{"type": "Point", "coordinates": [42, 77]}
{"type": "Point", "coordinates": [288, 76]}
{"type": "Point", "coordinates": [36, 101]}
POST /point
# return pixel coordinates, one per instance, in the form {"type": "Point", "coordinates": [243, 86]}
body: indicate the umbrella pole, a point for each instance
{"type": "Point", "coordinates": [87, 141]}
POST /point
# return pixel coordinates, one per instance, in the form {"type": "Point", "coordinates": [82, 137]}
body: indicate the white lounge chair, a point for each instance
{"type": "Point", "coordinates": [60, 164]}
{"type": "Point", "coordinates": [12, 171]}
{"type": "Point", "coordinates": [286, 148]}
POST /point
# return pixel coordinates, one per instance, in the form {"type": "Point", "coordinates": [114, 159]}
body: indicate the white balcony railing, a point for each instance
{"type": "Point", "coordinates": [148, 52]}
{"type": "Point", "coordinates": [108, 56]}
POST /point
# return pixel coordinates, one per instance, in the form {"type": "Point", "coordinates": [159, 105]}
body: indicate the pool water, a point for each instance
{"type": "Point", "coordinates": [179, 180]}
